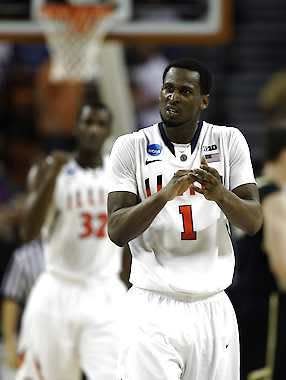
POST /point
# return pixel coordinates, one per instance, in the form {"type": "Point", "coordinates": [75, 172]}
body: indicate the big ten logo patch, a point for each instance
{"type": "Point", "coordinates": [209, 148]}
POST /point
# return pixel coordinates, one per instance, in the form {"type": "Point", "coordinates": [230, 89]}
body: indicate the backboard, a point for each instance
{"type": "Point", "coordinates": [151, 21]}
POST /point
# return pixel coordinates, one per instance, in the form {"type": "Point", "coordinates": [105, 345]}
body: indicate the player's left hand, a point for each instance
{"type": "Point", "coordinates": [209, 178]}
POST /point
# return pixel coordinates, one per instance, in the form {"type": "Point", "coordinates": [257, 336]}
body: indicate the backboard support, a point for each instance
{"type": "Point", "coordinates": [214, 28]}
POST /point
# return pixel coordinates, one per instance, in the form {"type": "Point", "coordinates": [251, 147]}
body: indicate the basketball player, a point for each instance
{"type": "Point", "coordinates": [174, 187]}
{"type": "Point", "coordinates": [69, 323]}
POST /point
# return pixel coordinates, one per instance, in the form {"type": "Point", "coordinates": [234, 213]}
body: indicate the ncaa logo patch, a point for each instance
{"type": "Point", "coordinates": [154, 149]}
{"type": "Point", "coordinates": [70, 170]}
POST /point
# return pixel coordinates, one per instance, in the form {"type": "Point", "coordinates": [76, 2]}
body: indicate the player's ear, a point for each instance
{"type": "Point", "coordinates": [204, 102]}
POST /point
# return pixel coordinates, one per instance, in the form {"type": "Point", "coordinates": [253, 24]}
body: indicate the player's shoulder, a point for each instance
{"type": "Point", "coordinates": [135, 136]}
{"type": "Point", "coordinates": [127, 138]}
{"type": "Point", "coordinates": [231, 135]}
{"type": "Point", "coordinates": [225, 130]}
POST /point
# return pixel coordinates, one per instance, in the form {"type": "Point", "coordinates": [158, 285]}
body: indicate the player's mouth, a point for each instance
{"type": "Point", "coordinates": [172, 111]}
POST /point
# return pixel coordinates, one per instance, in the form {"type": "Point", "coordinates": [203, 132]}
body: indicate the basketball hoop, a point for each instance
{"type": "Point", "coordinates": [74, 34]}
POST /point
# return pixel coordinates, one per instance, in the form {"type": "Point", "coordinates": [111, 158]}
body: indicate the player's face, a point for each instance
{"type": "Point", "coordinates": [181, 100]}
{"type": "Point", "coordinates": [93, 128]}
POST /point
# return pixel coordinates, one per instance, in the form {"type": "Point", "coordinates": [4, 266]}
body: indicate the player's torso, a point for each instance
{"type": "Point", "coordinates": [77, 241]}
{"type": "Point", "coordinates": [156, 165]}
{"type": "Point", "coordinates": [184, 237]}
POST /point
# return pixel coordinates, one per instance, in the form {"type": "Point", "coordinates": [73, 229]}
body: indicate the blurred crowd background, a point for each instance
{"type": "Point", "coordinates": [37, 117]}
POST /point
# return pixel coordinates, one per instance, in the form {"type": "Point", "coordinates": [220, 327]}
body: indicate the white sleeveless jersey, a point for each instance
{"type": "Point", "coordinates": [187, 248]}
{"type": "Point", "coordinates": [77, 244]}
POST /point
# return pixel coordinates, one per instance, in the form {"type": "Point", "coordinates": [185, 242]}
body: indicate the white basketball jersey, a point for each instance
{"type": "Point", "coordinates": [187, 248]}
{"type": "Point", "coordinates": [78, 246]}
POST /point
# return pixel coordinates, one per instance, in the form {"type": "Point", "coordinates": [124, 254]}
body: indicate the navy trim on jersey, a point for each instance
{"type": "Point", "coordinates": [169, 143]}
{"type": "Point", "coordinates": [165, 138]}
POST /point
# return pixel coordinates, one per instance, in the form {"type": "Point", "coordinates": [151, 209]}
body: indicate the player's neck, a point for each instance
{"type": "Point", "coordinates": [88, 159]}
{"type": "Point", "coordinates": [181, 134]}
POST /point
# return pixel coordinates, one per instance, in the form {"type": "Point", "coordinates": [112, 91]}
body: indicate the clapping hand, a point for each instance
{"type": "Point", "coordinates": [209, 178]}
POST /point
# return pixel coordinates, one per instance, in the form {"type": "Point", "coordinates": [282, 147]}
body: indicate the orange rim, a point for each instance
{"type": "Point", "coordinates": [73, 10]}
{"type": "Point", "coordinates": [81, 17]}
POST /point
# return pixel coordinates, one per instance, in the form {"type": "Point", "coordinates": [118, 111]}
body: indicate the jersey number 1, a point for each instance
{"type": "Point", "coordinates": [187, 215]}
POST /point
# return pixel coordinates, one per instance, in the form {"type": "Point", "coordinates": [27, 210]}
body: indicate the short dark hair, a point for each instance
{"type": "Point", "coordinates": [275, 143]}
{"type": "Point", "coordinates": [193, 65]}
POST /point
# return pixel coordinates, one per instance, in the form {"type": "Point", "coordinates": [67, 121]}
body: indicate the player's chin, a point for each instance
{"type": "Point", "coordinates": [173, 122]}
{"type": "Point", "coordinates": [172, 119]}
{"type": "Point", "coordinates": [91, 145]}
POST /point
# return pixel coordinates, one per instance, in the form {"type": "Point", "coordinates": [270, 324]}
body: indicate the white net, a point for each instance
{"type": "Point", "coordinates": [75, 35]}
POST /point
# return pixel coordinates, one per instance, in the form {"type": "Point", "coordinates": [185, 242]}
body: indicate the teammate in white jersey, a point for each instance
{"type": "Point", "coordinates": [174, 188]}
{"type": "Point", "coordinates": [69, 324]}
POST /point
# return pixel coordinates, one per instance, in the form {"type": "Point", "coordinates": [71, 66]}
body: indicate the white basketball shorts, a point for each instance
{"type": "Point", "coordinates": [71, 326]}
{"type": "Point", "coordinates": [166, 338]}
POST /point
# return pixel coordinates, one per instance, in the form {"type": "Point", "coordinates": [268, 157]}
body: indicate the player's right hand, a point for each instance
{"type": "Point", "coordinates": [180, 183]}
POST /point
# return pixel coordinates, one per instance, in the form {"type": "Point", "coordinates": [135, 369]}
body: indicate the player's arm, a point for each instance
{"type": "Point", "coordinates": [274, 236]}
{"type": "Point", "coordinates": [40, 195]}
{"type": "Point", "coordinates": [10, 318]}
{"type": "Point", "coordinates": [128, 218]}
{"type": "Point", "coordinates": [242, 207]}
{"type": "Point", "coordinates": [126, 266]}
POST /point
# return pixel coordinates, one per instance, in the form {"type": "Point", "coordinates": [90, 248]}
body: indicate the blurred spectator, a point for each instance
{"type": "Point", "coordinates": [18, 113]}
{"type": "Point", "coordinates": [261, 267]}
{"type": "Point", "coordinates": [17, 91]}
{"type": "Point", "coordinates": [146, 81]}
{"type": "Point", "coordinates": [273, 99]}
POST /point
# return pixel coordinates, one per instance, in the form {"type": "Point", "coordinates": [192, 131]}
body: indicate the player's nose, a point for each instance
{"type": "Point", "coordinates": [173, 97]}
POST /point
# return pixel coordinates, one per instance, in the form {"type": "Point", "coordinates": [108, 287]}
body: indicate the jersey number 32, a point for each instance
{"type": "Point", "coordinates": [93, 225]}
